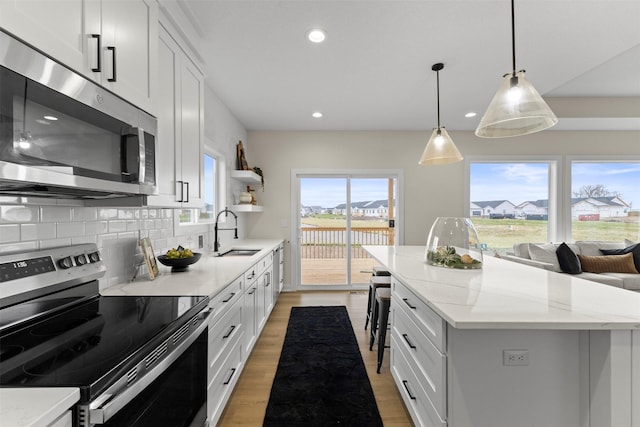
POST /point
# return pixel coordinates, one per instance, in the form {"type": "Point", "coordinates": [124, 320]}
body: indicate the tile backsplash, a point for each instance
{"type": "Point", "coordinates": [116, 231]}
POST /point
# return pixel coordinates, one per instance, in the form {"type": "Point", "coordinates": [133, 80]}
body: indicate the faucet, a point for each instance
{"type": "Point", "coordinates": [226, 212]}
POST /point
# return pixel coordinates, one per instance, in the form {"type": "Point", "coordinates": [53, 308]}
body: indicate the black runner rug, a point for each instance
{"type": "Point", "coordinates": [321, 379]}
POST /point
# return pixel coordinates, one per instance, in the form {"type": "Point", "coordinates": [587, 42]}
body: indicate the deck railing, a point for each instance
{"type": "Point", "coordinates": [331, 242]}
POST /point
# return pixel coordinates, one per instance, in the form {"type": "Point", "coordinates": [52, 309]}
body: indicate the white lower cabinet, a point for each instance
{"type": "Point", "coordinates": [240, 311]}
{"type": "Point", "coordinates": [418, 363]}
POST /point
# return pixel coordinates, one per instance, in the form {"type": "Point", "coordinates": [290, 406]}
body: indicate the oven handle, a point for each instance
{"type": "Point", "coordinates": [107, 405]}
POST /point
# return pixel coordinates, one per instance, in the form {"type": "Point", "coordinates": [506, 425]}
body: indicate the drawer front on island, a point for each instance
{"type": "Point", "coordinates": [428, 320]}
{"type": "Point", "coordinates": [427, 362]}
{"type": "Point", "coordinates": [410, 386]}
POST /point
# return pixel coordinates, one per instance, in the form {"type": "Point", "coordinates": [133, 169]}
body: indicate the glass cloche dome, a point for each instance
{"type": "Point", "coordinates": [453, 243]}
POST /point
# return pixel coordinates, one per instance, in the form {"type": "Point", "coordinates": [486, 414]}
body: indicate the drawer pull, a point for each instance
{"type": "Point", "coordinates": [406, 301]}
{"type": "Point", "coordinates": [230, 297]}
{"type": "Point", "coordinates": [406, 387]}
{"type": "Point", "coordinates": [408, 342]}
{"type": "Point", "coordinates": [252, 291]}
{"type": "Point", "coordinates": [230, 332]}
{"type": "Point", "coordinates": [228, 380]}
{"type": "Point", "coordinates": [253, 274]}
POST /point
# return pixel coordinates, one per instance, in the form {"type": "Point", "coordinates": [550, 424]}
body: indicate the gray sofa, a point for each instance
{"type": "Point", "coordinates": [544, 256]}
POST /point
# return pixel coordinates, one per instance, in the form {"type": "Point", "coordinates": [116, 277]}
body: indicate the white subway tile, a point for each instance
{"type": "Point", "coordinates": [70, 229]}
{"type": "Point", "coordinates": [108, 213]}
{"type": "Point", "coordinates": [9, 233]}
{"type": "Point", "coordinates": [133, 225]}
{"type": "Point", "coordinates": [155, 234]}
{"type": "Point", "coordinates": [148, 224]}
{"type": "Point", "coordinates": [18, 247]}
{"type": "Point", "coordinates": [153, 213]}
{"type": "Point", "coordinates": [85, 214]}
{"type": "Point", "coordinates": [45, 230]}
{"type": "Point", "coordinates": [53, 243]}
{"type": "Point", "coordinates": [125, 213]}
{"type": "Point", "coordinates": [96, 227]}
{"type": "Point", "coordinates": [55, 214]}
{"type": "Point", "coordinates": [83, 239]}
{"type": "Point", "coordinates": [117, 226]}
{"type": "Point", "coordinates": [144, 213]}
{"type": "Point", "coordinates": [18, 213]}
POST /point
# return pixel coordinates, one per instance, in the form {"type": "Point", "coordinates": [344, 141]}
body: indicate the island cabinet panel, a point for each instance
{"type": "Point", "coordinates": [484, 391]}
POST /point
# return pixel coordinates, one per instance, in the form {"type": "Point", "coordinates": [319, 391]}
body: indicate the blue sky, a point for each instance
{"type": "Point", "coordinates": [330, 192]}
{"type": "Point", "coordinates": [519, 182]}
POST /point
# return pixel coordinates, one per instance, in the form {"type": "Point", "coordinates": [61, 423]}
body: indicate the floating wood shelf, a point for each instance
{"type": "Point", "coordinates": [250, 177]}
{"type": "Point", "coordinates": [248, 208]}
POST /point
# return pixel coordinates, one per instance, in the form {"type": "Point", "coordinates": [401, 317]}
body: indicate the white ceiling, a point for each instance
{"type": "Point", "coordinates": [374, 70]}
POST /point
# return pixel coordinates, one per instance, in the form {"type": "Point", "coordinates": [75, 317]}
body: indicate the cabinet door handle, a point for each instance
{"type": "Point", "coordinates": [406, 301]}
{"type": "Point", "coordinates": [267, 279]}
{"type": "Point", "coordinates": [229, 298]}
{"type": "Point", "coordinates": [187, 184]}
{"type": "Point", "coordinates": [408, 342]}
{"type": "Point", "coordinates": [98, 67]}
{"type": "Point", "coordinates": [406, 387]}
{"type": "Point", "coordinates": [228, 380]}
{"type": "Point", "coordinates": [180, 187]}
{"type": "Point", "coordinates": [113, 64]}
{"type": "Point", "coordinates": [228, 334]}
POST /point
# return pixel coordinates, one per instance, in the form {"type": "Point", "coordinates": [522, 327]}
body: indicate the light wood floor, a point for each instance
{"type": "Point", "coordinates": [248, 403]}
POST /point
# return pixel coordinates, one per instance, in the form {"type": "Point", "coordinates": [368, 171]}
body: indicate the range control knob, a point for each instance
{"type": "Point", "coordinates": [65, 263]}
{"type": "Point", "coordinates": [94, 257]}
{"type": "Point", "coordinates": [81, 260]}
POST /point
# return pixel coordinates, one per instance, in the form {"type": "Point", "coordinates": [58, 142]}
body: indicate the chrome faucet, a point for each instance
{"type": "Point", "coordinates": [226, 212]}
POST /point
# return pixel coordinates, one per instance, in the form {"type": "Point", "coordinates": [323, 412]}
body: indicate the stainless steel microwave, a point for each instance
{"type": "Point", "coordinates": [63, 136]}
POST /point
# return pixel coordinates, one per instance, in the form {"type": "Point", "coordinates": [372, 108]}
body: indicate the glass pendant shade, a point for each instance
{"type": "Point", "coordinates": [440, 149]}
{"type": "Point", "coordinates": [516, 109]}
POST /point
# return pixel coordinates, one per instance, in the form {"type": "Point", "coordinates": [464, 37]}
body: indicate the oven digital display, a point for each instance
{"type": "Point", "coordinates": [24, 268]}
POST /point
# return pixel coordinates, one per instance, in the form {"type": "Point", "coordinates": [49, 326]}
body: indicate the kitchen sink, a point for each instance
{"type": "Point", "coordinates": [240, 252]}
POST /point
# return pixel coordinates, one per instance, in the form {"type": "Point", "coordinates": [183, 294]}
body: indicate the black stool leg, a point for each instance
{"type": "Point", "coordinates": [382, 331]}
{"type": "Point", "coordinates": [369, 305]}
{"type": "Point", "coordinates": [374, 323]}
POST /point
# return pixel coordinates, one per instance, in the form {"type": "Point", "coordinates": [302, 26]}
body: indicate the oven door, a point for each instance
{"type": "Point", "coordinates": [177, 398]}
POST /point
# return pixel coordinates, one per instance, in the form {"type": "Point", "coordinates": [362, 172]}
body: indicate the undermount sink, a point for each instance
{"type": "Point", "coordinates": [240, 252]}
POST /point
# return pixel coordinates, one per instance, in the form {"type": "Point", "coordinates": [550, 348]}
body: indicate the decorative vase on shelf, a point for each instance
{"type": "Point", "coordinates": [453, 243]}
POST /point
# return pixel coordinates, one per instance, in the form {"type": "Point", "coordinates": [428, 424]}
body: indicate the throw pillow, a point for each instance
{"type": "Point", "coordinates": [546, 254]}
{"type": "Point", "coordinates": [568, 260]}
{"type": "Point", "coordinates": [608, 263]}
{"type": "Point", "coordinates": [633, 249]}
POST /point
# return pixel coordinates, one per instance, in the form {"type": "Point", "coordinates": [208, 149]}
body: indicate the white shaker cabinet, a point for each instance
{"type": "Point", "coordinates": [180, 127]}
{"type": "Point", "coordinates": [121, 37]}
{"type": "Point", "coordinates": [54, 27]}
{"type": "Point", "coordinates": [112, 42]}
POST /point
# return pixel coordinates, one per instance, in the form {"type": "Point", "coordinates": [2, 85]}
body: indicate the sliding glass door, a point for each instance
{"type": "Point", "coordinates": [337, 215]}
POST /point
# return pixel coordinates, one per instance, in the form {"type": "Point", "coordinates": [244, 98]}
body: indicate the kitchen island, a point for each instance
{"type": "Point", "coordinates": [511, 345]}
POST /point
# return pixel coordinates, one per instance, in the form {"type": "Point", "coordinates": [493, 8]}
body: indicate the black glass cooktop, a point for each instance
{"type": "Point", "coordinates": [87, 345]}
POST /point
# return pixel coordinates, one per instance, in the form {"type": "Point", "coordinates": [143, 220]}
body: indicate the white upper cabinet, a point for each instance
{"type": "Point", "coordinates": [179, 144]}
{"type": "Point", "coordinates": [121, 37]}
{"type": "Point", "coordinates": [54, 27]}
{"type": "Point", "coordinates": [113, 42]}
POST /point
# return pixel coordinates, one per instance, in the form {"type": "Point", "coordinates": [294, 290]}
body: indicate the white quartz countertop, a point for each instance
{"type": "Point", "coordinates": [207, 277]}
{"type": "Point", "coordinates": [35, 407]}
{"type": "Point", "coordinates": [509, 295]}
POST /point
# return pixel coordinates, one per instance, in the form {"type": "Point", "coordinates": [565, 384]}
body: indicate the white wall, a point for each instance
{"type": "Point", "coordinates": [429, 191]}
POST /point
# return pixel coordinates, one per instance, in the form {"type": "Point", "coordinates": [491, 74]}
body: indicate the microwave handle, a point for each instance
{"type": "Point", "coordinates": [142, 165]}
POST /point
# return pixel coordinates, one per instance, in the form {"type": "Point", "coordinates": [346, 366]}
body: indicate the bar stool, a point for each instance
{"type": "Point", "coordinates": [379, 279]}
{"type": "Point", "coordinates": [379, 321]}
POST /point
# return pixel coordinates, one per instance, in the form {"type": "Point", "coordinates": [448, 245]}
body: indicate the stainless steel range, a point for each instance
{"type": "Point", "coordinates": [138, 361]}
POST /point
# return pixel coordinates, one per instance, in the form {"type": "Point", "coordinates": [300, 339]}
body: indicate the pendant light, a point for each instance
{"type": "Point", "coordinates": [517, 108]}
{"type": "Point", "coordinates": [440, 149]}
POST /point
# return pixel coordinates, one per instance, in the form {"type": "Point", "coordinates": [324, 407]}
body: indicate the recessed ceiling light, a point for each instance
{"type": "Point", "coordinates": [470, 114]}
{"type": "Point", "coordinates": [316, 35]}
{"type": "Point", "coordinates": [317, 115]}
{"type": "Point", "coordinates": [52, 118]}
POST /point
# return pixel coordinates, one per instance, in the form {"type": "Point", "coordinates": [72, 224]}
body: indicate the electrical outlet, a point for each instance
{"type": "Point", "coordinates": [515, 357]}
{"type": "Point", "coordinates": [200, 241]}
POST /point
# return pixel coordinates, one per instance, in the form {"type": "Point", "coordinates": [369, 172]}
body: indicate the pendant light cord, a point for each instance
{"type": "Point", "coordinates": [438, 95]}
{"type": "Point", "coordinates": [513, 37]}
